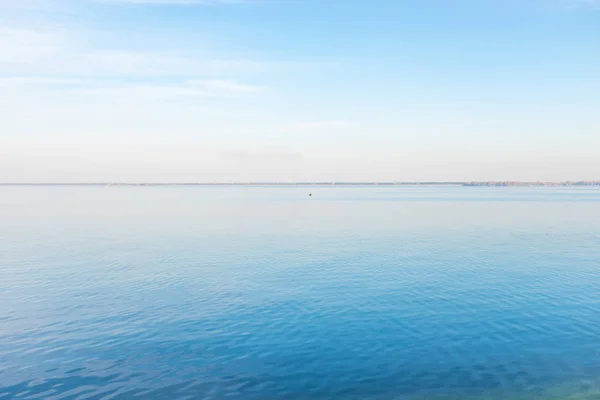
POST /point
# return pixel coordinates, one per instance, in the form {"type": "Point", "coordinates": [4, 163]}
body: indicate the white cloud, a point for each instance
{"type": "Point", "coordinates": [19, 46]}
{"type": "Point", "coordinates": [60, 52]}
{"type": "Point", "coordinates": [312, 126]}
{"type": "Point", "coordinates": [156, 63]}
{"type": "Point", "coordinates": [143, 92]}
{"type": "Point", "coordinates": [190, 89]}
{"type": "Point", "coordinates": [223, 86]}
{"type": "Point", "coordinates": [38, 81]}
{"type": "Point", "coordinates": [576, 3]}
{"type": "Point", "coordinates": [22, 4]}
{"type": "Point", "coordinates": [182, 2]}
{"type": "Point", "coordinates": [46, 60]}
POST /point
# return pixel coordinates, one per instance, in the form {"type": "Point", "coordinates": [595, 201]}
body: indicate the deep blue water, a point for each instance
{"type": "Point", "coordinates": [265, 293]}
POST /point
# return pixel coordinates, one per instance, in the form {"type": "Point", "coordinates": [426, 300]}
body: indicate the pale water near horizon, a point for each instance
{"type": "Point", "coordinates": [266, 293]}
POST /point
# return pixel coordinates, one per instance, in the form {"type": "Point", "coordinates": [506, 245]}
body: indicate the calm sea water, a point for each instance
{"type": "Point", "coordinates": [265, 293]}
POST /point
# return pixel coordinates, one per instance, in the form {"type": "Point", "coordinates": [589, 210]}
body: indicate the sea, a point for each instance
{"type": "Point", "coordinates": [267, 293]}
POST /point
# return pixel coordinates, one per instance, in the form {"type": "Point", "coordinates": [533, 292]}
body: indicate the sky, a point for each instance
{"type": "Point", "coordinates": [299, 90]}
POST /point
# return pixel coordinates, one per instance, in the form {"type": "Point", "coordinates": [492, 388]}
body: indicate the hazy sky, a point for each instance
{"type": "Point", "coordinates": [238, 90]}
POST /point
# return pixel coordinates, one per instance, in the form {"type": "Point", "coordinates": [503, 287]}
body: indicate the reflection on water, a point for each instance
{"type": "Point", "coordinates": [266, 293]}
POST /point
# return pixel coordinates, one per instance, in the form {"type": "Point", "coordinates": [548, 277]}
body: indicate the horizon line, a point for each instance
{"type": "Point", "coordinates": [315, 183]}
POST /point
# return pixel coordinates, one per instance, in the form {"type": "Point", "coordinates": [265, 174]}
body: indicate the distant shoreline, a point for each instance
{"type": "Point", "coordinates": [288, 184]}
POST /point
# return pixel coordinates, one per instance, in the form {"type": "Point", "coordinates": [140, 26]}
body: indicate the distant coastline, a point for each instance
{"type": "Point", "coordinates": [470, 184]}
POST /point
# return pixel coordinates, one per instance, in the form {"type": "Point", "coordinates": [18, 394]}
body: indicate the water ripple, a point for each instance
{"type": "Point", "coordinates": [411, 296]}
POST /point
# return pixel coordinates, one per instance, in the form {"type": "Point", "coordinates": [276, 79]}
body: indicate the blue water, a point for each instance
{"type": "Point", "coordinates": [265, 293]}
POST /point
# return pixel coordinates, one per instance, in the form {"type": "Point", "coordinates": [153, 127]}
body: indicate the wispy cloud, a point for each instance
{"type": "Point", "coordinates": [47, 4]}
{"type": "Point", "coordinates": [180, 2]}
{"type": "Point", "coordinates": [223, 86]}
{"type": "Point", "coordinates": [137, 93]}
{"type": "Point", "coordinates": [21, 4]}
{"type": "Point", "coordinates": [38, 81]}
{"type": "Point", "coordinates": [576, 3]}
{"type": "Point", "coordinates": [311, 126]}
{"type": "Point", "coordinates": [60, 52]}
{"type": "Point", "coordinates": [190, 89]}
{"type": "Point", "coordinates": [19, 45]}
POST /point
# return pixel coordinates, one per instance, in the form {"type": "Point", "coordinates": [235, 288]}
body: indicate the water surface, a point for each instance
{"type": "Point", "coordinates": [264, 293]}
